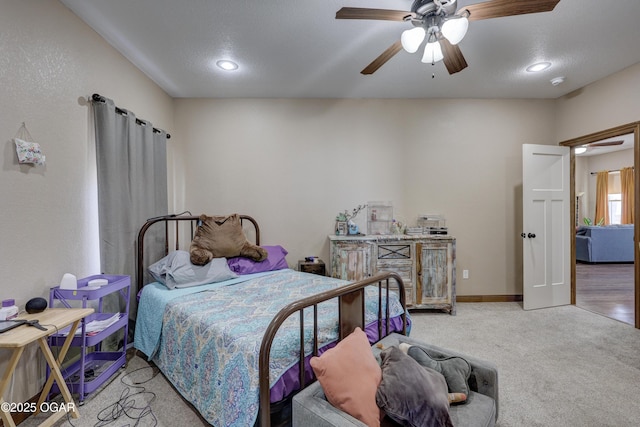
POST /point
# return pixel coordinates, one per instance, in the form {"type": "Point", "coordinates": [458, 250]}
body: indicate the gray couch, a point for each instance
{"type": "Point", "coordinates": [609, 243]}
{"type": "Point", "coordinates": [311, 409]}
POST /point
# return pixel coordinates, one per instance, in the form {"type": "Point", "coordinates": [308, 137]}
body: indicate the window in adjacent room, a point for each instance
{"type": "Point", "coordinates": [615, 208]}
{"type": "Point", "coordinates": [614, 198]}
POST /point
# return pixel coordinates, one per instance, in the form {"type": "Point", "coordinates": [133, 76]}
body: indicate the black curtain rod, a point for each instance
{"type": "Point", "coordinates": [99, 98]}
{"type": "Point", "coordinates": [612, 170]}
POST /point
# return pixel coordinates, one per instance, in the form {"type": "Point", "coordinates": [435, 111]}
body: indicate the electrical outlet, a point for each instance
{"type": "Point", "coordinates": [465, 274]}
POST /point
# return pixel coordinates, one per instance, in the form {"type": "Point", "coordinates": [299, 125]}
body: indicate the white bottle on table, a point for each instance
{"type": "Point", "coordinates": [9, 310]}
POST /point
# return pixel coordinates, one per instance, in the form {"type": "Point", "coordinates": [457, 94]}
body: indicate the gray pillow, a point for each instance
{"type": "Point", "coordinates": [456, 370]}
{"type": "Point", "coordinates": [410, 394]}
{"type": "Point", "coordinates": [176, 271]}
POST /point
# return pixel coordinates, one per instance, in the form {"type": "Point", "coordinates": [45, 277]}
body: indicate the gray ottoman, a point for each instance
{"type": "Point", "coordinates": [311, 409]}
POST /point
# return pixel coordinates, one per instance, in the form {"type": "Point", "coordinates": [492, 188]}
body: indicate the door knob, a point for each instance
{"type": "Point", "coordinates": [523, 235]}
{"type": "Point", "coordinates": [531, 236]}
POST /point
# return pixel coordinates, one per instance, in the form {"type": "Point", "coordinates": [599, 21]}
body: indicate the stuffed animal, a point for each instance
{"type": "Point", "coordinates": [222, 236]}
{"type": "Point", "coordinates": [456, 370]}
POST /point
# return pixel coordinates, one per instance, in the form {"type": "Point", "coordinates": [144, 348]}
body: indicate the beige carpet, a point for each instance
{"type": "Point", "coordinates": [562, 366]}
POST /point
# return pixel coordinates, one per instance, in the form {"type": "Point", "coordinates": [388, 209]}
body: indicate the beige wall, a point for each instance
{"type": "Point", "coordinates": [585, 182]}
{"type": "Point", "coordinates": [607, 103]}
{"type": "Point", "coordinates": [294, 164]}
{"type": "Point", "coordinates": [50, 63]}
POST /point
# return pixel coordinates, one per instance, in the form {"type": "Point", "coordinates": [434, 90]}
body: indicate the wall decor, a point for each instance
{"type": "Point", "coordinates": [28, 152]}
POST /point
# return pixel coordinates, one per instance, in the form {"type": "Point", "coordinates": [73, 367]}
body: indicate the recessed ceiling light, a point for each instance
{"type": "Point", "coordinates": [227, 65]}
{"type": "Point", "coordinates": [538, 67]}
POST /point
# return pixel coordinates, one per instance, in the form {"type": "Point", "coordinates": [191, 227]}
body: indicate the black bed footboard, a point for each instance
{"type": "Point", "coordinates": [351, 314]}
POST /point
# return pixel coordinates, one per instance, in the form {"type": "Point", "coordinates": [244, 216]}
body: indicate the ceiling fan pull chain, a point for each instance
{"type": "Point", "coordinates": [433, 64]}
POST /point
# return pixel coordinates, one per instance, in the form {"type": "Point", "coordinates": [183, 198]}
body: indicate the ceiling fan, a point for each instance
{"type": "Point", "coordinates": [595, 145]}
{"type": "Point", "coordinates": [605, 144]}
{"type": "Point", "coordinates": [442, 25]}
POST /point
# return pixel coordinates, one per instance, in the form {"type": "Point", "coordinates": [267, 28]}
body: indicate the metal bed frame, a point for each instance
{"type": "Point", "coordinates": [351, 304]}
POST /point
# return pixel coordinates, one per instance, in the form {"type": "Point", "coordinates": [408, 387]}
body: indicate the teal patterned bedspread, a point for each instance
{"type": "Point", "coordinates": [155, 297]}
{"type": "Point", "coordinates": [211, 340]}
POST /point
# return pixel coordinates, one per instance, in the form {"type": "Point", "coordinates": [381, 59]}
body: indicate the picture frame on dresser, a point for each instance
{"type": "Point", "coordinates": [342, 228]}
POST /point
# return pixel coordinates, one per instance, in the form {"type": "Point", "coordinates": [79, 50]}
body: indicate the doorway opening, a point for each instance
{"type": "Point", "coordinates": [585, 273]}
{"type": "Point", "coordinates": [604, 256]}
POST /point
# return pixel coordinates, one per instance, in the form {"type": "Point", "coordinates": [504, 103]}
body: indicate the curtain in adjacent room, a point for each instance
{"type": "Point", "coordinates": [602, 198]}
{"type": "Point", "coordinates": [132, 184]}
{"type": "Point", "coordinates": [627, 188]}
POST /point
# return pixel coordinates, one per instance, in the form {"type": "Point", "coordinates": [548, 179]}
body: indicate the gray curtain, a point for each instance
{"type": "Point", "coordinates": [132, 185]}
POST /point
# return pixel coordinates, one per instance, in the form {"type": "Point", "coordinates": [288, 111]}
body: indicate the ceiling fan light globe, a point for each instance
{"type": "Point", "coordinates": [412, 39]}
{"type": "Point", "coordinates": [455, 28]}
{"type": "Point", "coordinates": [432, 53]}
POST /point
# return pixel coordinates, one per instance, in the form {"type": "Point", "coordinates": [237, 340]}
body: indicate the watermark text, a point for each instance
{"type": "Point", "coordinates": [33, 407]}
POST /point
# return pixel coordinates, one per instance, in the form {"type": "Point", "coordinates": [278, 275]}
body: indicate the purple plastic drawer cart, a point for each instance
{"type": "Point", "coordinates": [95, 364]}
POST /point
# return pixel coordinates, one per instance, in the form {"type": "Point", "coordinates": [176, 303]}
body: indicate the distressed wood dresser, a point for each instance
{"type": "Point", "coordinates": [426, 264]}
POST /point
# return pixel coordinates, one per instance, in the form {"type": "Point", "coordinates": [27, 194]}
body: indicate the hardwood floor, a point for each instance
{"type": "Point", "coordinates": [606, 289]}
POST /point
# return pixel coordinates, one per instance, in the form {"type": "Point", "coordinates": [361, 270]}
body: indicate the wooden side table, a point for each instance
{"type": "Point", "coordinates": [312, 267]}
{"type": "Point", "coordinates": [54, 320]}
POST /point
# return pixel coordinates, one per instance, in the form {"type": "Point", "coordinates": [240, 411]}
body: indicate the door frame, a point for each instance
{"type": "Point", "coordinates": [634, 128]}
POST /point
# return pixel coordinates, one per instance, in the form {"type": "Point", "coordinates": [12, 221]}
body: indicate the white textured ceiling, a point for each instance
{"type": "Point", "coordinates": [297, 49]}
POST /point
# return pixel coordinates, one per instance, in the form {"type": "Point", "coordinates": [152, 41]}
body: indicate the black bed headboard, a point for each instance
{"type": "Point", "coordinates": [173, 232]}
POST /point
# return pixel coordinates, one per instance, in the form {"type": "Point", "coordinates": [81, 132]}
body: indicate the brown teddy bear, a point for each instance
{"type": "Point", "coordinates": [222, 236]}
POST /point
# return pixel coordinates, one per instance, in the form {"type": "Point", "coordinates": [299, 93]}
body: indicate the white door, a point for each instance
{"type": "Point", "coordinates": [546, 220]}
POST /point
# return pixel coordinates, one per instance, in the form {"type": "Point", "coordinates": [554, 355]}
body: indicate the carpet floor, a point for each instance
{"type": "Point", "coordinates": [560, 366]}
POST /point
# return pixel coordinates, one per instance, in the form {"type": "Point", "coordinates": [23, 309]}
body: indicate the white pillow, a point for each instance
{"type": "Point", "coordinates": [176, 271]}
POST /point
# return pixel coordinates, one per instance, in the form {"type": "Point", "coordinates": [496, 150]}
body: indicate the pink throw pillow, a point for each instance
{"type": "Point", "coordinates": [349, 375]}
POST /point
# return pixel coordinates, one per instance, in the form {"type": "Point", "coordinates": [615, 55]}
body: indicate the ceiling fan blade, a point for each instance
{"type": "Point", "coordinates": [453, 58]}
{"type": "Point", "coordinates": [383, 58]}
{"type": "Point", "coordinates": [500, 8]}
{"type": "Point", "coordinates": [606, 144]}
{"type": "Point", "coordinates": [376, 14]}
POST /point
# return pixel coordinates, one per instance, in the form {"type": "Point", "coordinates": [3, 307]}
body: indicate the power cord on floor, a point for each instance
{"type": "Point", "coordinates": [127, 403]}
